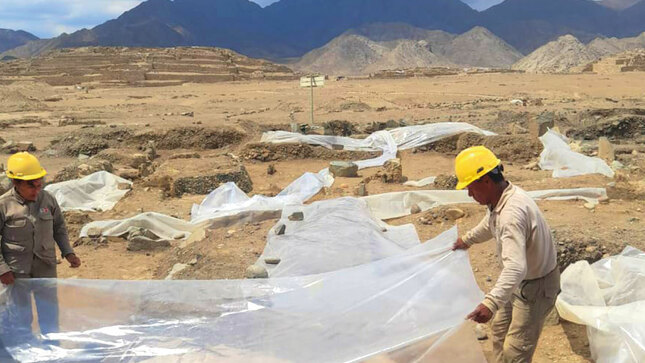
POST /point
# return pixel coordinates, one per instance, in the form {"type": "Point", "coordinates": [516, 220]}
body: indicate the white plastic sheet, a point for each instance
{"type": "Point", "coordinates": [407, 137]}
{"type": "Point", "coordinates": [420, 183]}
{"type": "Point", "coordinates": [609, 298]}
{"type": "Point", "coordinates": [558, 156]}
{"type": "Point", "coordinates": [409, 306]}
{"type": "Point", "coordinates": [398, 204]}
{"type": "Point", "coordinates": [99, 191]}
{"type": "Point", "coordinates": [334, 234]}
{"type": "Point", "coordinates": [225, 206]}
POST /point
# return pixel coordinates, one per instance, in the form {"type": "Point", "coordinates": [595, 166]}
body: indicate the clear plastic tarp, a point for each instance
{"type": "Point", "coordinates": [407, 137]}
{"type": "Point", "coordinates": [96, 192]}
{"type": "Point", "coordinates": [398, 204]}
{"type": "Point", "coordinates": [558, 156]}
{"type": "Point", "coordinates": [333, 234]}
{"type": "Point", "coordinates": [410, 307]}
{"type": "Point", "coordinates": [609, 298]}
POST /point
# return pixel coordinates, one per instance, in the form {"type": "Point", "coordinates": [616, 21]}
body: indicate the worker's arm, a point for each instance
{"type": "Point", "coordinates": [6, 276]}
{"type": "Point", "coordinates": [513, 240]}
{"type": "Point", "coordinates": [481, 233]}
{"type": "Point", "coordinates": [60, 230]}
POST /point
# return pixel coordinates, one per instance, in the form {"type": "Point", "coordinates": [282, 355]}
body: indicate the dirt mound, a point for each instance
{"type": "Point", "coordinates": [616, 123]}
{"type": "Point", "coordinates": [273, 152]}
{"type": "Point", "coordinates": [573, 246]}
{"type": "Point", "coordinates": [190, 138]}
{"type": "Point", "coordinates": [13, 100]}
{"type": "Point", "coordinates": [339, 128]}
{"type": "Point", "coordinates": [506, 147]}
{"type": "Point", "coordinates": [445, 182]}
{"type": "Point", "coordinates": [90, 141]}
{"type": "Point", "coordinates": [82, 168]}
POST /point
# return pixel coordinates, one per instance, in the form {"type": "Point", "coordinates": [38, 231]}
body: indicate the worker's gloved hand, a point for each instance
{"type": "Point", "coordinates": [481, 314]}
{"type": "Point", "coordinates": [460, 245]}
{"type": "Point", "coordinates": [7, 278]}
{"type": "Point", "coordinates": [73, 260]}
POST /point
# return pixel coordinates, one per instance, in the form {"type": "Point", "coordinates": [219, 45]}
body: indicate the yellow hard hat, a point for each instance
{"type": "Point", "coordinates": [473, 163]}
{"type": "Point", "coordinates": [24, 166]}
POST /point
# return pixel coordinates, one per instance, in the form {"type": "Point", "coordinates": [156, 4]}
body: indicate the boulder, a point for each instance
{"type": "Point", "coordinates": [345, 169]}
{"type": "Point", "coordinates": [256, 272]}
{"type": "Point", "coordinates": [606, 150]}
{"type": "Point", "coordinates": [129, 173]}
{"type": "Point", "coordinates": [393, 171]}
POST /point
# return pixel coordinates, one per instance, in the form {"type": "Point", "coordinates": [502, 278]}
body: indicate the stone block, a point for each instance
{"type": "Point", "coordinates": [541, 124]}
{"type": "Point", "coordinates": [345, 169]}
{"type": "Point", "coordinates": [606, 150]}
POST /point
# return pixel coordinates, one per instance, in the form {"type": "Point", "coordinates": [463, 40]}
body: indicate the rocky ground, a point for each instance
{"type": "Point", "coordinates": [179, 142]}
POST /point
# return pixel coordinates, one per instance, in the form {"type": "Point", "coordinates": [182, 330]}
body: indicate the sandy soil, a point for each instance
{"type": "Point", "coordinates": [255, 106]}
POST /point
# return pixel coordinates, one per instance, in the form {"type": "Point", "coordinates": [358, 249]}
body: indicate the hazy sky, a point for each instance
{"type": "Point", "coordinates": [49, 18]}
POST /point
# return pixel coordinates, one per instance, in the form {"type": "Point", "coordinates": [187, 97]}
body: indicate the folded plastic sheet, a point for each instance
{"type": "Point", "coordinates": [609, 298]}
{"type": "Point", "coordinates": [420, 183]}
{"type": "Point", "coordinates": [225, 206]}
{"type": "Point", "coordinates": [398, 204]}
{"type": "Point", "coordinates": [99, 191]}
{"type": "Point", "coordinates": [558, 156]}
{"type": "Point", "coordinates": [333, 234]}
{"type": "Point", "coordinates": [409, 306]}
{"type": "Point", "coordinates": [407, 137]}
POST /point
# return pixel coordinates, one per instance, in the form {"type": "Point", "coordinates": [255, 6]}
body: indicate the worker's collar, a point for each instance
{"type": "Point", "coordinates": [506, 195]}
{"type": "Point", "coordinates": [19, 198]}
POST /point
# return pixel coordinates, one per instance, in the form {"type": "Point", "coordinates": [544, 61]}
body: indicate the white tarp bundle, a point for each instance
{"type": "Point", "coordinates": [558, 156]}
{"type": "Point", "coordinates": [95, 192]}
{"type": "Point", "coordinates": [224, 206]}
{"type": "Point", "coordinates": [609, 298]}
{"type": "Point", "coordinates": [407, 137]}
{"type": "Point", "coordinates": [334, 234]}
{"type": "Point", "coordinates": [398, 204]}
{"type": "Point", "coordinates": [407, 307]}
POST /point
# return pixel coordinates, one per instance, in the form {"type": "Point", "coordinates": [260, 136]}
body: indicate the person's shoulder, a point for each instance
{"type": "Point", "coordinates": [6, 196]}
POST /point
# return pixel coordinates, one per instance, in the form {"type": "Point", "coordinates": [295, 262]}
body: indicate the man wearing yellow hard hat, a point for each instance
{"type": "Point", "coordinates": [526, 289]}
{"type": "Point", "coordinates": [31, 225]}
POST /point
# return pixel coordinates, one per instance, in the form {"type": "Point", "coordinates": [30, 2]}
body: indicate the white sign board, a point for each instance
{"type": "Point", "coordinates": [312, 81]}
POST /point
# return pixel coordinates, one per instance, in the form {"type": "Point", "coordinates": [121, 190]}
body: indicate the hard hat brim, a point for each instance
{"type": "Point", "coordinates": [42, 173]}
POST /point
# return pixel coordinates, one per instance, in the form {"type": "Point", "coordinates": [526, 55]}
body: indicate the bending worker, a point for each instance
{"type": "Point", "coordinates": [527, 287]}
{"type": "Point", "coordinates": [31, 224]}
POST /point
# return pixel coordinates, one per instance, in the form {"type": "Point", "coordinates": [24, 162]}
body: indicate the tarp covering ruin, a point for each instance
{"type": "Point", "coordinates": [609, 298]}
{"type": "Point", "coordinates": [408, 306]}
{"type": "Point", "coordinates": [558, 156]}
{"type": "Point", "coordinates": [96, 192]}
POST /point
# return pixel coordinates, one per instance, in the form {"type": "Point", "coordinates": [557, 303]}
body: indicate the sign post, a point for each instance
{"type": "Point", "coordinates": [312, 81]}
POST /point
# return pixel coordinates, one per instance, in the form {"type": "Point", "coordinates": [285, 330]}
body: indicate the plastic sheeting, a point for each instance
{"type": "Point", "coordinates": [224, 206]}
{"type": "Point", "coordinates": [398, 204]}
{"type": "Point", "coordinates": [420, 183]}
{"type": "Point", "coordinates": [334, 234]}
{"type": "Point", "coordinates": [99, 191]}
{"type": "Point", "coordinates": [558, 156]}
{"type": "Point", "coordinates": [407, 137]}
{"type": "Point", "coordinates": [609, 298]}
{"type": "Point", "coordinates": [410, 306]}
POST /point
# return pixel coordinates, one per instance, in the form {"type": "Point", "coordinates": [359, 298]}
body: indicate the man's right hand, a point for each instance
{"type": "Point", "coordinates": [7, 278]}
{"type": "Point", "coordinates": [460, 245]}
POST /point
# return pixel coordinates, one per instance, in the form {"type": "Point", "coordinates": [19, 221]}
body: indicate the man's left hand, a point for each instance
{"type": "Point", "coordinates": [73, 260]}
{"type": "Point", "coordinates": [481, 314]}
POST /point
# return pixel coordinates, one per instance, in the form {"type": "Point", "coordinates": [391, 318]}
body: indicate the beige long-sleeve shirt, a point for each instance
{"type": "Point", "coordinates": [29, 229]}
{"type": "Point", "coordinates": [524, 244]}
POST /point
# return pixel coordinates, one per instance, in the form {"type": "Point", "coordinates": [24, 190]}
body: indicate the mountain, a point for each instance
{"type": "Point", "coordinates": [373, 48]}
{"type": "Point", "coordinates": [529, 24]}
{"type": "Point", "coordinates": [13, 38]}
{"type": "Point", "coordinates": [480, 48]}
{"type": "Point", "coordinates": [557, 56]}
{"type": "Point", "coordinates": [618, 4]}
{"type": "Point", "coordinates": [352, 54]}
{"type": "Point", "coordinates": [291, 28]}
{"type": "Point", "coordinates": [608, 46]}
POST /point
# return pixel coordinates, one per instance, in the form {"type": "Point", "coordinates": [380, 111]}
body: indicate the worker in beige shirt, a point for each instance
{"type": "Point", "coordinates": [31, 225]}
{"type": "Point", "coordinates": [527, 287]}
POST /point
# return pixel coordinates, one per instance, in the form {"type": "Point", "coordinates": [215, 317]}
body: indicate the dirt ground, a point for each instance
{"type": "Point", "coordinates": [256, 106]}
